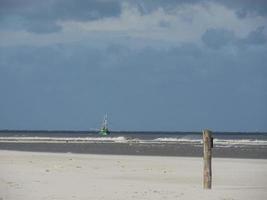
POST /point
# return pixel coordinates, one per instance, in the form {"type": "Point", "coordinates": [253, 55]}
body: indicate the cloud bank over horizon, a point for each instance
{"type": "Point", "coordinates": [152, 65]}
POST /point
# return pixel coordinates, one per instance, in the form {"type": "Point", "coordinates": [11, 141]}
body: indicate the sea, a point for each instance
{"type": "Point", "coordinates": [226, 144]}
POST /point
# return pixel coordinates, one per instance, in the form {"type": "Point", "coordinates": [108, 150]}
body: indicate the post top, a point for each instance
{"type": "Point", "coordinates": [207, 132]}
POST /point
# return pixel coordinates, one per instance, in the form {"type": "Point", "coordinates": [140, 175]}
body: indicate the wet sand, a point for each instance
{"type": "Point", "coordinates": [189, 150]}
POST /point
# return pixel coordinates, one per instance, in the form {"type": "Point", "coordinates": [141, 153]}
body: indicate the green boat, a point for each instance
{"type": "Point", "coordinates": [104, 128]}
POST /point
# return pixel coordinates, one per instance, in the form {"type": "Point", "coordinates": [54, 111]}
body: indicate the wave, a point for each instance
{"type": "Point", "coordinates": [216, 141]}
{"type": "Point", "coordinates": [178, 140]}
{"type": "Point", "coordinates": [64, 139]}
{"type": "Point", "coordinates": [240, 142]}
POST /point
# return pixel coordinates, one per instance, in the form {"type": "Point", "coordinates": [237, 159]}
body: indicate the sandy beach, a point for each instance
{"type": "Point", "coordinates": [31, 176]}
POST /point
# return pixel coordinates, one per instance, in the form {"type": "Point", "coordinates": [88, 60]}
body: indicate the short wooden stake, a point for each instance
{"type": "Point", "coordinates": [207, 155]}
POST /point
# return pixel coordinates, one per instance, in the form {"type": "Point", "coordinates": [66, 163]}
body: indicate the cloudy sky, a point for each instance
{"type": "Point", "coordinates": [174, 65]}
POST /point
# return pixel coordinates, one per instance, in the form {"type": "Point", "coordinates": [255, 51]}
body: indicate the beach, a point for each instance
{"type": "Point", "coordinates": [42, 175]}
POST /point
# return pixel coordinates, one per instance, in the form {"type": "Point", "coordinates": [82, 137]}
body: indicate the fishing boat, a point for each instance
{"type": "Point", "coordinates": [104, 128]}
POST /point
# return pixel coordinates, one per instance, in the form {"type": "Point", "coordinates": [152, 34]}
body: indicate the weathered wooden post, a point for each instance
{"type": "Point", "coordinates": [207, 154]}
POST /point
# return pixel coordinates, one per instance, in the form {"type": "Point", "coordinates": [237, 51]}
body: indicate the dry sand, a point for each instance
{"type": "Point", "coordinates": [40, 176]}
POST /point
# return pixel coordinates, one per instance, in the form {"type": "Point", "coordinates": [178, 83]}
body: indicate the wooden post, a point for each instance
{"type": "Point", "coordinates": [207, 154]}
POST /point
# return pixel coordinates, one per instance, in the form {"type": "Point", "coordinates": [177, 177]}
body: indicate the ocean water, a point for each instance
{"type": "Point", "coordinates": [237, 145]}
{"type": "Point", "coordinates": [221, 139]}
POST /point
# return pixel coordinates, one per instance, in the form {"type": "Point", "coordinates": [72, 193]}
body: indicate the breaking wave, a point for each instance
{"type": "Point", "coordinates": [64, 139]}
{"type": "Point", "coordinates": [122, 139]}
{"type": "Point", "coordinates": [178, 140]}
{"type": "Point", "coordinates": [240, 142]}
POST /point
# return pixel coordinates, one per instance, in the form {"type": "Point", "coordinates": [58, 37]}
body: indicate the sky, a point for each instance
{"type": "Point", "coordinates": [164, 65]}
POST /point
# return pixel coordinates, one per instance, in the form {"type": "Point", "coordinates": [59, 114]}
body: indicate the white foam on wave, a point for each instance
{"type": "Point", "coordinates": [216, 141]}
{"type": "Point", "coordinates": [65, 139]}
{"type": "Point", "coordinates": [240, 142]}
{"type": "Point", "coordinates": [178, 140]}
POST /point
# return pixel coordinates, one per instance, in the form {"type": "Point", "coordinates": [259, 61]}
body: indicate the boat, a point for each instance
{"type": "Point", "coordinates": [104, 128]}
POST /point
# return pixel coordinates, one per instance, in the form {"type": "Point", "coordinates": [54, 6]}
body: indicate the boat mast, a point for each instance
{"type": "Point", "coordinates": [105, 122]}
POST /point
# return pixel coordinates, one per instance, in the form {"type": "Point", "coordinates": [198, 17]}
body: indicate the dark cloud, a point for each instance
{"type": "Point", "coordinates": [216, 38]}
{"type": "Point", "coordinates": [242, 7]}
{"type": "Point", "coordinates": [42, 26]}
{"type": "Point", "coordinates": [256, 37]}
{"type": "Point", "coordinates": [241, 13]}
{"type": "Point", "coordinates": [41, 16]}
{"type": "Point", "coordinates": [168, 5]}
{"type": "Point", "coordinates": [61, 9]}
{"type": "Point", "coordinates": [245, 7]}
{"type": "Point", "coordinates": [164, 24]}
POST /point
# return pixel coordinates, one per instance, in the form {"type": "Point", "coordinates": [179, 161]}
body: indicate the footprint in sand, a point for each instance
{"type": "Point", "coordinates": [13, 184]}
